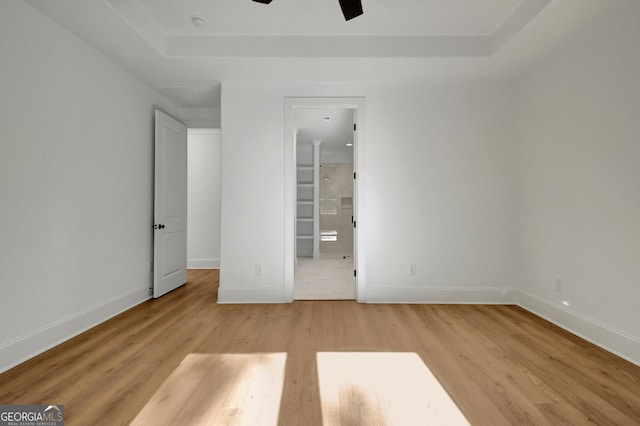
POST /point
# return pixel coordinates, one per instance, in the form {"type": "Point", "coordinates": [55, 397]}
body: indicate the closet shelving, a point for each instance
{"type": "Point", "coordinates": [305, 207]}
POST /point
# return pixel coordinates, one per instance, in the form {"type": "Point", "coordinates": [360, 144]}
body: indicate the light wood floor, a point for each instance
{"type": "Point", "coordinates": [500, 365]}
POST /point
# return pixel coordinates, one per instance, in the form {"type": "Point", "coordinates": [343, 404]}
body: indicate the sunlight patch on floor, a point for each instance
{"type": "Point", "coordinates": [219, 389]}
{"type": "Point", "coordinates": [382, 388]}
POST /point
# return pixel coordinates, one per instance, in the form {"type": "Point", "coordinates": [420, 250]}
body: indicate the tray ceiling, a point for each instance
{"type": "Point", "coordinates": [429, 41]}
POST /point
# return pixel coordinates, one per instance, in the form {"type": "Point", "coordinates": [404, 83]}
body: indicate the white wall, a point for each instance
{"type": "Point", "coordinates": [579, 177]}
{"type": "Point", "coordinates": [304, 152]}
{"type": "Point", "coordinates": [203, 224]}
{"type": "Point", "coordinates": [437, 183]}
{"type": "Point", "coordinates": [337, 156]}
{"type": "Point", "coordinates": [200, 118]}
{"type": "Point", "coordinates": [76, 151]}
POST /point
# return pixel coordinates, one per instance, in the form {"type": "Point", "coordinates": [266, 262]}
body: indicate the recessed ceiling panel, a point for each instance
{"type": "Point", "coordinates": [442, 41]}
{"type": "Point", "coordinates": [323, 17]}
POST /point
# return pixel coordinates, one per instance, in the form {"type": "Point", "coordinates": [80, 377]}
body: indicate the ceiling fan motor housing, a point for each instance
{"type": "Point", "coordinates": [351, 8]}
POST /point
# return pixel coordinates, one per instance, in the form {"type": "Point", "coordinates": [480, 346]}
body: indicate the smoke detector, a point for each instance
{"type": "Point", "coordinates": [198, 21]}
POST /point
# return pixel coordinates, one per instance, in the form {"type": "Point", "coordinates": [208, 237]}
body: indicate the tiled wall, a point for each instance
{"type": "Point", "coordinates": [336, 208]}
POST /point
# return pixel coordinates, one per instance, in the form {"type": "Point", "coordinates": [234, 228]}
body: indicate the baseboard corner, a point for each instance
{"type": "Point", "coordinates": [609, 338]}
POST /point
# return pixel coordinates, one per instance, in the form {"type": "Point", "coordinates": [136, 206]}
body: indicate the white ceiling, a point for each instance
{"type": "Point", "coordinates": [429, 41]}
{"type": "Point", "coordinates": [323, 17]}
{"type": "Point", "coordinates": [334, 133]}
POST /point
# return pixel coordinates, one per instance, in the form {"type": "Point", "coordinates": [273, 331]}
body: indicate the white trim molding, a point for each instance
{"type": "Point", "coordinates": [291, 104]}
{"type": "Point", "coordinates": [615, 341]}
{"type": "Point", "coordinates": [203, 263]}
{"type": "Point", "coordinates": [448, 295]}
{"type": "Point", "coordinates": [38, 341]}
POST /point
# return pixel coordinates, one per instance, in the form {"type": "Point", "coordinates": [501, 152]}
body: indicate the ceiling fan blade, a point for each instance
{"type": "Point", "coordinates": [351, 8]}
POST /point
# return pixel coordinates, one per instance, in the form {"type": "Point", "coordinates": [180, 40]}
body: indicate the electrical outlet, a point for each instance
{"type": "Point", "coordinates": [258, 269]}
{"type": "Point", "coordinates": [412, 269]}
{"type": "Point", "coordinates": [558, 285]}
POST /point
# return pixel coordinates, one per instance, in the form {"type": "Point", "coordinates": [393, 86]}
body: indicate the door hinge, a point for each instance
{"type": "Point", "coordinates": [354, 175]}
{"type": "Point", "coordinates": [354, 223]}
{"type": "Point", "coordinates": [354, 127]}
{"type": "Point", "coordinates": [355, 273]}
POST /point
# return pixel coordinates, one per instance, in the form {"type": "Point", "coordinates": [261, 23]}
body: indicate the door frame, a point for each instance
{"type": "Point", "coordinates": [291, 104]}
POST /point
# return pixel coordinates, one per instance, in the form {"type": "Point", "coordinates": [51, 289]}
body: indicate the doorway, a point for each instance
{"type": "Point", "coordinates": [203, 201]}
{"type": "Point", "coordinates": [324, 204]}
{"type": "Point", "coordinates": [324, 138]}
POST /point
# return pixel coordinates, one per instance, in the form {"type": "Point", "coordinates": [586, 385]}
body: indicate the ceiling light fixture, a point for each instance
{"type": "Point", "coordinates": [198, 21]}
{"type": "Point", "coordinates": [350, 8]}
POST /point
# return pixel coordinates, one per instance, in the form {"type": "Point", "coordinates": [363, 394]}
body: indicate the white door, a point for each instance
{"type": "Point", "coordinates": [170, 205]}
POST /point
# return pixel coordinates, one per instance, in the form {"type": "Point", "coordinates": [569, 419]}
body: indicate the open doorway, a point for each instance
{"type": "Point", "coordinates": [204, 200]}
{"type": "Point", "coordinates": [291, 106]}
{"type": "Point", "coordinates": [324, 152]}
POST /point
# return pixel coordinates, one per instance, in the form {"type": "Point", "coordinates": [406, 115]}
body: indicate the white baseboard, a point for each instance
{"type": "Point", "coordinates": [463, 295]}
{"type": "Point", "coordinates": [203, 263]}
{"type": "Point", "coordinates": [618, 342]}
{"type": "Point", "coordinates": [251, 295]}
{"type": "Point", "coordinates": [25, 347]}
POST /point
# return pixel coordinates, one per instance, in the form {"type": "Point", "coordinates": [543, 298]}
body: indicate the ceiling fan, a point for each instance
{"type": "Point", "coordinates": [350, 8]}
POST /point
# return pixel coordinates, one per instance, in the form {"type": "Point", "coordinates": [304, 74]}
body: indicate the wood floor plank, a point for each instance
{"type": "Point", "coordinates": [323, 338]}
{"type": "Point", "coordinates": [564, 414]}
{"type": "Point", "coordinates": [595, 368]}
{"type": "Point", "coordinates": [486, 370]}
{"type": "Point", "coordinates": [477, 406]}
{"type": "Point", "coordinates": [347, 335]}
{"type": "Point", "coordinates": [300, 395]}
{"type": "Point", "coordinates": [535, 389]}
{"type": "Point", "coordinates": [569, 379]}
{"type": "Point", "coordinates": [190, 359]}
